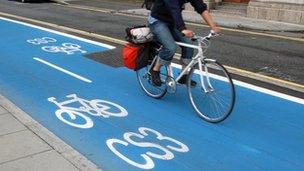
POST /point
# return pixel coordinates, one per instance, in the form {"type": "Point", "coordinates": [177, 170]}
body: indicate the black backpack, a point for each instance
{"type": "Point", "coordinates": [148, 4]}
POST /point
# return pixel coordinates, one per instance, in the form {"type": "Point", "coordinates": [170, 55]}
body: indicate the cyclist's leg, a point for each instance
{"type": "Point", "coordinates": [164, 36]}
{"type": "Point", "coordinates": [187, 54]}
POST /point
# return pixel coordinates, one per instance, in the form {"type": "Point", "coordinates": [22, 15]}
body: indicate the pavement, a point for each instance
{"type": "Point", "coordinates": [26, 145]}
{"type": "Point", "coordinates": [232, 21]}
{"type": "Point", "coordinates": [221, 18]}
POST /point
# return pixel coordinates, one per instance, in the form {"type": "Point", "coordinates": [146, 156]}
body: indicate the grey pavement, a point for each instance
{"type": "Point", "coordinates": [232, 21]}
{"type": "Point", "coordinates": [26, 145]}
{"type": "Point", "coordinates": [221, 18]}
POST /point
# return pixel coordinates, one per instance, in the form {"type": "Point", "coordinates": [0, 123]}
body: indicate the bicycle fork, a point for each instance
{"type": "Point", "coordinates": [205, 72]}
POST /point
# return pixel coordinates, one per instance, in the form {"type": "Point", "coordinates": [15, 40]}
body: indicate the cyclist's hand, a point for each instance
{"type": "Point", "coordinates": [188, 33]}
{"type": "Point", "coordinates": [216, 30]}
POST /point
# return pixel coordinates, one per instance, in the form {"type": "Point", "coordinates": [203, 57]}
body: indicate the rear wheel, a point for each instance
{"type": "Point", "coordinates": [216, 103]}
{"type": "Point", "coordinates": [145, 82]}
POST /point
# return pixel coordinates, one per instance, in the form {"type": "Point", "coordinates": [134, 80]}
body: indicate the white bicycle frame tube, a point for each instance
{"type": "Point", "coordinates": [62, 105]}
{"type": "Point", "coordinates": [197, 59]}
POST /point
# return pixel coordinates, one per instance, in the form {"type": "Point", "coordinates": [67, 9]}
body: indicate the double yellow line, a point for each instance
{"type": "Point", "coordinates": [279, 82]}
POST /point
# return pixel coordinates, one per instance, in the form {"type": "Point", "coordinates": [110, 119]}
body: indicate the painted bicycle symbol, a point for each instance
{"type": "Point", "coordinates": [75, 116]}
{"type": "Point", "coordinates": [43, 40]}
{"type": "Point", "coordinates": [163, 152]}
{"type": "Point", "coordinates": [68, 48]}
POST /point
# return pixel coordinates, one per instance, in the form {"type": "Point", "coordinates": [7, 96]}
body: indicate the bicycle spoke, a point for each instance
{"type": "Point", "coordinates": [215, 105]}
{"type": "Point", "coordinates": [146, 84]}
{"type": "Point", "coordinates": [220, 100]}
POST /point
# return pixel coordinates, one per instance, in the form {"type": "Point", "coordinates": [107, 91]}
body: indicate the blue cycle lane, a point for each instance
{"type": "Point", "coordinates": [46, 74]}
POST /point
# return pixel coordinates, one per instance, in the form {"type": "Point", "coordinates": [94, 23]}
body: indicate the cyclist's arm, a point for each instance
{"type": "Point", "coordinates": [201, 8]}
{"type": "Point", "coordinates": [208, 19]}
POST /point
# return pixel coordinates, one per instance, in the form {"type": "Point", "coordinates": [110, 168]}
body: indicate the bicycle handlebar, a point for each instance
{"type": "Point", "coordinates": [202, 41]}
{"type": "Point", "coordinates": [208, 37]}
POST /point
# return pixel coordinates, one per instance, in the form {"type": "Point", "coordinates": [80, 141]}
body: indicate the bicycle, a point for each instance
{"type": "Point", "coordinates": [95, 107]}
{"type": "Point", "coordinates": [213, 97]}
{"type": "Point", "coordinates": [68, 48]}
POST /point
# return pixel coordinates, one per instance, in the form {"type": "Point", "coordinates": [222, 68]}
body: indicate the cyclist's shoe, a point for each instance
{"type": "Point", "coordinates": [183, 80]}
{"type": "Point", "coordinates": [155, 78]}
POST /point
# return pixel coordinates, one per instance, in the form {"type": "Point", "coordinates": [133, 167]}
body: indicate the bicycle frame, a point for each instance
{"type": "Point", "coordinates": [198, 59]}
{"type": "Point", "coordinates": [84, 104]}
{"type": "Point", "coordinates": [95, 107]}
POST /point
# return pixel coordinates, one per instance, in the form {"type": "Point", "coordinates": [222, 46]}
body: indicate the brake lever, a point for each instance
{"type": "Point", "coordinates": [211, 34]}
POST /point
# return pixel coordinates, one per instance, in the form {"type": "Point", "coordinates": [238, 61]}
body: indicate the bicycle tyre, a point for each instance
{"type": "Point", "coordinates": [51, 49]}
{"type": "Point", "coordinates": [102, 107]}
{"type": "Point", "coordinates": [222, 94]}
{"type": "Point", "coordinates": [73, 116]}
{"type": "Point", "coordinates": [145, 82]}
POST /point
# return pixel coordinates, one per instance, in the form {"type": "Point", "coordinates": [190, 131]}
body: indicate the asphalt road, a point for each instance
{"type": "Point", "coordinates": [275, 57]}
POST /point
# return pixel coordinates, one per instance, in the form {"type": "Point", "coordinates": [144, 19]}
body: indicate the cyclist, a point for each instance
{"type": "Point", "coordinates": [167, 25]}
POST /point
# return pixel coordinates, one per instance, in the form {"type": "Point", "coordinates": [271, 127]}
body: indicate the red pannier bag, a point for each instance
{"type": "Point", "coordinates": [136, 56]}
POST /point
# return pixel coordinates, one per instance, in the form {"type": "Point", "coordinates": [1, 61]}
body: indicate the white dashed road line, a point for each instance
{"type": "Point", "coordinates": [63, 70]}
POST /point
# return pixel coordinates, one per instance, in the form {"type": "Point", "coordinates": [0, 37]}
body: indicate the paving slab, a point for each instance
{"type": "Point", "coordinates": [47, 161]}
{"type": "Point", "coordinates": [2, 110]}
{"type": "Point", "coordinates": [17, 112]}
{"type": "Point", "coordinates": [63, 149]}
{"type": "Point", "coordinates": [8, 124]}
{"type": "Point", "coordinates": [20, 144]}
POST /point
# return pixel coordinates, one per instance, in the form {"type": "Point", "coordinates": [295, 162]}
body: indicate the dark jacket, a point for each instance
{"type": "Point", "coordinates": [170, 11]}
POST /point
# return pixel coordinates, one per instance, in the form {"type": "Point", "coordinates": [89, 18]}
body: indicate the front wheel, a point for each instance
{"type": "Point", "coordinates": [145, 82]}
{"type": "Point", "coordinates": [106, 108]}
{"type": "Point", "coordinates": [74, 118]}
{"type": "Point", "coordinates": [214, 95]}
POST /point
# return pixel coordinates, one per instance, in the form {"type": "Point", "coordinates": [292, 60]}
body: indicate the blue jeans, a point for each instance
{"type": "Point", "coordinates": [166, 36]}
